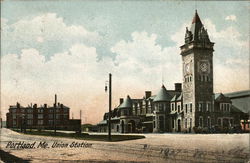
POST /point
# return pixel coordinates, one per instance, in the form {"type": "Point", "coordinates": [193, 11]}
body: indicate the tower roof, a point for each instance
{"type": "Point", "coordinates": [162, 95]}
{"type": "Point", "coordinates": [127, 103]}
{"type": "Point", "coordinates": [196, 26]}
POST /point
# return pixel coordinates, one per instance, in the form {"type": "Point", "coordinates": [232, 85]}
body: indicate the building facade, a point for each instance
{"type": "Point", "coordinates": [191, 107]}
{"type": "Point", "coordinates": [42, 117]}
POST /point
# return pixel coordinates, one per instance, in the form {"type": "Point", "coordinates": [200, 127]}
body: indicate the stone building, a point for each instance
{"type": "Point", "coordinates": [191, 107]}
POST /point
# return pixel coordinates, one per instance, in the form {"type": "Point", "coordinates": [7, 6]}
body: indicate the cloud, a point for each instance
{"type": "Point", "coordinates": [231, 58]}
{"type": "Point", "coordinates": [49, 29]}
{"type": "Point", "coordinates": [145, 60]}
{"type": "Point", "coordinates": [231, 18]}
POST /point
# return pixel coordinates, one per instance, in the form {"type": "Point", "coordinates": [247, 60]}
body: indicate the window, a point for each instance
{"type": "Point", "coordinates": [207, 78]}
{"type": "Point", "coordinates": [201, 122]}
{"type": "Point", "coordinates": [40, 110]}
{"type": "Point", "coordinates": [190, 78]}
{"type": "Point", "coordinates": [228, 107]}
{"type": "Point", "coordinates": [13, 110]}
{"type": "Point", "coordinates": [14, 122]}
{"type": "Point", "coordinates": [57, 116]}
{"type": "Point", "coordinates": [200, 106]}
{"type": "Point", "coordinates": [51, 110]}
{"type": "Point", "coordinates": [40, 122]}
{"type": "Point", "coordinates": [14, 116]}
{"type": "Point", "coordinates": [161, 107]}
{"type": "Point", "coordinates": [30, 110]}
{"type": "Point", "coordinates": [40, 116]}
{"type": "Point", "coordinates": [186, 123]}
{"type": "Point", "coordinates": [191, 107]}
{"type": "Point", "coordinates": [65, 116]}
{"type": "Point", "coordinates": [30, 116]}
{"type": "Point", "coordinates": [51, 122]}
{"type": "Point", "coordinates": [125, 112]}
{"type": "Point", "coordinates": [186, 108]}
{"type": "Point", "coordinates": [50, 116]}
{"type": "Point", "coordinates": [179, 108]}
{"type": "Point", "coordinates": [208, 122]}
{"type": "Point", "coordinates": [231, 122]}
{"type": "Point", "coordinates": [203, 78]}
{"type": "Point", "coordinates": [219, 122]}
{"type": "Point", "coordinates": [30, 122]}
{"type": "Point", "coordinates": [190, 122]}
{"type": "Point", "coordinates": [208, 106]}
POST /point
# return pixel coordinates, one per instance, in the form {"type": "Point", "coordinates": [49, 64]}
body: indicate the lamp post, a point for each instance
{"type": "Point", "coordinates": [110, 100]}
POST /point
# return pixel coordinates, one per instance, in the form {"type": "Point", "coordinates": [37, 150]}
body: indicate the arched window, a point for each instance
{"type": "Point", "coordinates": [208, 122]}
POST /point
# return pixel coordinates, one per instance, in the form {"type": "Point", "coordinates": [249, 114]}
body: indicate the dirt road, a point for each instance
{"type": "Point", "coordinates": [154, 148]}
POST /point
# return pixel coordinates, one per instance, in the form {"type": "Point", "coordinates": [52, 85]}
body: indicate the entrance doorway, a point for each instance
{"type": "Point", "coordinates": [131, 126]}
{"type": "Point", "coordinates": [179, 125]}
{"type": "Point", "coordinates": [122, 126]}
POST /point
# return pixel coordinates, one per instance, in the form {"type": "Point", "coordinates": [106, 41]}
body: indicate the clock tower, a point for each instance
{"type": "Point", "coordinates": [197, 59]}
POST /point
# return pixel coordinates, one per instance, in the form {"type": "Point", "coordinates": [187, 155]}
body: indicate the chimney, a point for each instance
{"type": "Point", "coordinates": [148, 94]}
{"type": "Point", "coordinates": [17, 105]}
{"type": "Point", "coordinates": [45, 105]}
{"type": "Point", "coordinates": [121, 100]}
{"type": "Point", "coordinates": [61, 105]}
{"type": "Point", "coordinates": [55, 99]}
{"type": "Point", "coordinates": [35, 106]}
{"type": "Point", "coordinates": [177, 87]}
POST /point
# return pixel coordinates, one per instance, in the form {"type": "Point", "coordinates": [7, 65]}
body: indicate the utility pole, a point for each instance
{"type": "Point", "coordinates": [81, 116]}
{"type": "Point", "coordinates": [80, 121]}
{"type": "Point", "coordinates": [54, 112]}
{"type": "Point", "coordinates": [110, 95]}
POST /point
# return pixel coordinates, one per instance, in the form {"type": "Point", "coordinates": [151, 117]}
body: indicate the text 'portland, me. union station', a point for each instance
{"type": "Point", "coordinates": [191, 107]}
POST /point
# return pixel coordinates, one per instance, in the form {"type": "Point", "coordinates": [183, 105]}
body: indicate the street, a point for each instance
{"type": "Point", "coordinates": [154, 148]}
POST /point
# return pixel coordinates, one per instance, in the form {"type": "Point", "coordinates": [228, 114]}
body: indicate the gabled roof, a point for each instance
{"type": "Point", "coordinates": [127, 103]}
{"type": "Point", "coordinates": [162, 95]}
{"type": "Point", "coordinates": [174, 98]}
{"type": "Point", "coordinates": [221, 97]}
{"type": "Point", "coordinates": [179, 98]}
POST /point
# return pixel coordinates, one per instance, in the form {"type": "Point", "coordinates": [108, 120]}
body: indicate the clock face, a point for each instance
{"type": "Point", "coordinates": [204, 67]}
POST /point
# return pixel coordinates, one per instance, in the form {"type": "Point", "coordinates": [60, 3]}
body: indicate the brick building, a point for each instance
{"type": "Point", "coordinates": [191, 107]}
{"type": "Point", "coordinates": [42, 117]}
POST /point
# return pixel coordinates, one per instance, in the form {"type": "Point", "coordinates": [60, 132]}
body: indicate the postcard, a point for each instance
{"type": "Point", "coordinates": [125, 81]}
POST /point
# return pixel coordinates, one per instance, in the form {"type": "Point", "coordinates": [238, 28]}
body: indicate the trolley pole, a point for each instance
{"type": "Point", "coordinates": [110, 96]}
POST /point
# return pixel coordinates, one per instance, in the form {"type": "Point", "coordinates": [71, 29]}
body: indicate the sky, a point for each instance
{"type": "Point", "coordinates": [68, 48]}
